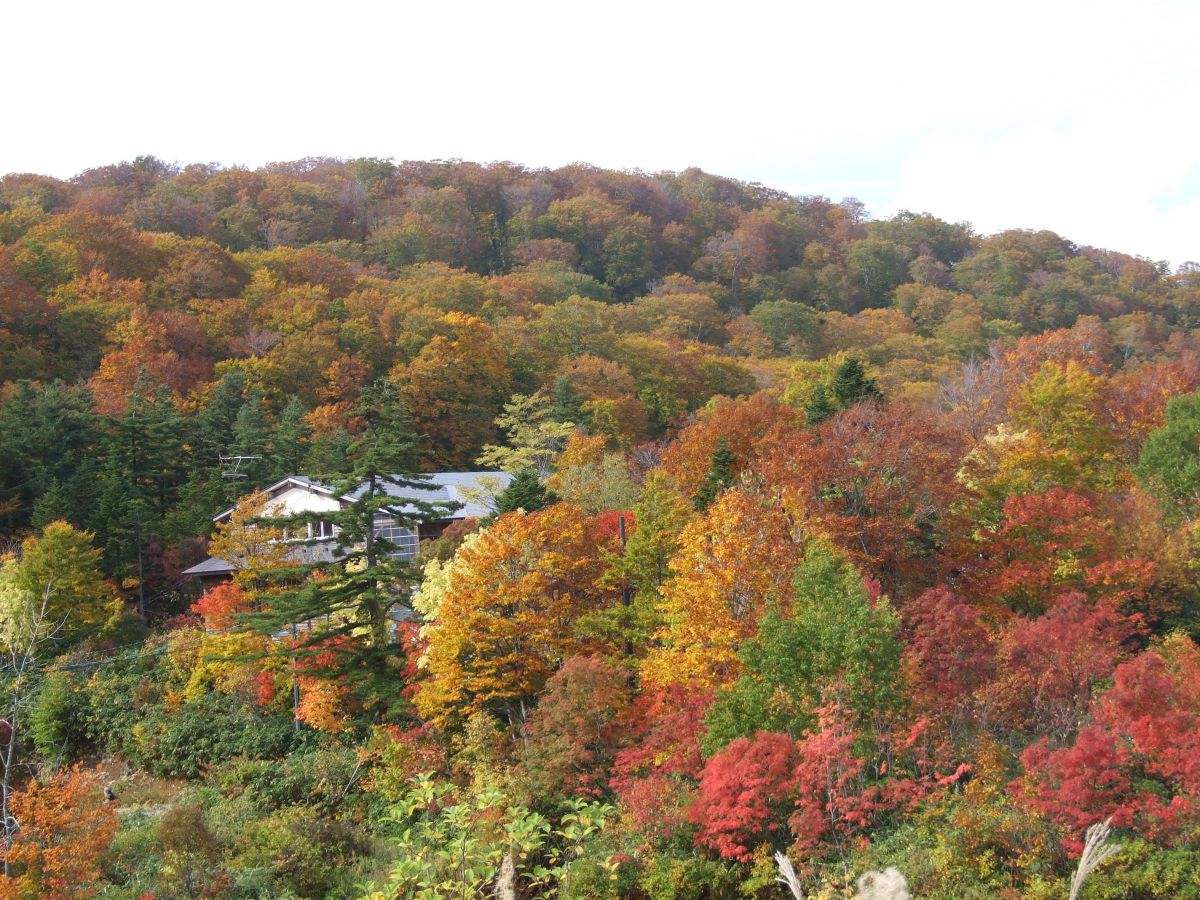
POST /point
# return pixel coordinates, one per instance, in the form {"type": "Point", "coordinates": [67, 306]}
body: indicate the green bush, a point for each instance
{"type": "Point", "coordinates": [56, 722]}
{"type": "Point", "coordinates": [312, 776]}
{"type": "Point", "coordinates": [217, 727]}
{"type": "Point", "coordinates": [1142, 870]}
{"type": "Point", "coordinates": [689, 877]}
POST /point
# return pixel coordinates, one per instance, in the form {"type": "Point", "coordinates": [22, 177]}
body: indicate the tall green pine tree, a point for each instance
{"type": "Point", "coordinates": [355, 586]}
{"type": "Point", "coordinates": [720, 474]}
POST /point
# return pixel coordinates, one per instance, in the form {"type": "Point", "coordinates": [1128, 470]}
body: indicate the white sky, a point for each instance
{"type": "Point", "coordinates": [1074, 116]}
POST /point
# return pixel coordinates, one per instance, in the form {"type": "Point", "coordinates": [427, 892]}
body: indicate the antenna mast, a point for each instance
{"type": "Point", "coordinates": [231, 465]}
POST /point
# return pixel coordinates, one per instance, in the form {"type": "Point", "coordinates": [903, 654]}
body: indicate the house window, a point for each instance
{"type": "Point", "coordinates": [323, 529]}
{"type": "Point", "coordinates": [402, 539]}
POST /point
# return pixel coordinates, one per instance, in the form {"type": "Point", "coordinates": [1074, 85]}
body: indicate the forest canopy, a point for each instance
{"type": "Point", "coordinates": [868, 541]}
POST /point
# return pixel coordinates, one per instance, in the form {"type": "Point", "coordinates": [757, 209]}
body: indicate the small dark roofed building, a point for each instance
{"type": "Point", "coordinates": [299, 494]}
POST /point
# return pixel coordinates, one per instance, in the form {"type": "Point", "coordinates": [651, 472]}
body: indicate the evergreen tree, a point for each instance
{"type": "Point", "coordinates": [289, 441]}
{"type": "Point", "coordinates": [210, 433]}
{"type": "Point", "coordinates": [49, 435]}
{"type": "Point", "coordinates": [251, 437]}
{"type": "Point", "coordinates": [720, 474]}
{"type": "Point", "coordinates": [526, 492]}
{"type": "Point", "coordinates": [139, 482]}
{"type": "Point", "coordinates": [354, 587]}
{"type": "Point", "coordinates": [568, 405]}
{"type": "Point", "coordinates": [209, 437]}
{"type": "Point", "coordinates": [327, 453]}
{"type": "Point", "coordinates": [53, 506]}
{"type": "Point", "coordinates": [851, 384]}
{"type": "Point", "coordinates": [819, 408]}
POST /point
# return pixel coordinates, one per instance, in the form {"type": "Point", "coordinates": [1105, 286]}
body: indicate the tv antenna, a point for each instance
{"type": "Point", "coordinates": [231, 466]}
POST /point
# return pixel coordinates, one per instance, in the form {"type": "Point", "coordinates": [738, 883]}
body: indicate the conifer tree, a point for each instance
{"type": "Point", "coordinates": [251, 435]}
{"type": "Point", "coordinates": [851, 384]}
{"type": "Point", "coordinates": [49, 437]}
{"type": "Point", "coordinates": [140, 481]}
{"type": "Point", "coordinates": [289, 441]}
{"type": "Point", "coordinates": [351, 589]}
{"type": "Point", "coordinates": [526, 492]}
{"type": "Point", "coordinates": [819, 408]}
{"type": "Point", "coordinates": [720, 475]}
{"type": "Point", "coordinates": [568, 405]}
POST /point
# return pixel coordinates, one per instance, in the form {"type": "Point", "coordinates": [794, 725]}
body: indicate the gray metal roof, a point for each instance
{"type": "Point", "coordinates": [444, 487]}
{"type": "Point", "coordinates": [212, 566]}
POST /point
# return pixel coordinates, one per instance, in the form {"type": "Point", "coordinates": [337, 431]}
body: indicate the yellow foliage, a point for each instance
{"type": "Point", "coordinates": [732, 561]}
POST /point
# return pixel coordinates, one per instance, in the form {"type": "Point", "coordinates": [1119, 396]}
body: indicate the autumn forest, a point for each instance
{"type": "Point", "coordinates": [841, 556]}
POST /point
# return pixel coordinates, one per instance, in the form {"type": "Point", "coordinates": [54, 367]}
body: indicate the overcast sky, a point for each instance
{"type": "Point", "coordinates": [1078, 117]}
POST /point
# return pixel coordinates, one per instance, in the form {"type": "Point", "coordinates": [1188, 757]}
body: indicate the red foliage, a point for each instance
{"type": "Point", "coordinates": [743, 791]}
{"type": "Point", "coordinates": [1139, 759]}
{"type": "Point", "coordinates": [266, 689]}
{"type": "Point", "coordinates": [1048, 666]}
{"type": "Point", "coordinates": [829, 787]}
{"type": "Point", "coordinates": [1054, 542]}
{"type": "Point", "coordinates": [1137, 396]}
{"type": "Point", "coordinates": [219, 606]}
{"type": "Point", "coordinates": [606, 527]}
{"type": "Point", "coordinates": [654, 774]}
{"type": "Point", "coordinates": [878, 480]}
{"type": "Point", "coordinates": [574, 733]}
{"type": "Point", "coordinates": [949, 653]}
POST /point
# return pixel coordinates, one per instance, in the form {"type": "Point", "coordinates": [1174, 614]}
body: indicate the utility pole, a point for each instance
{"type": "Point", "coordinates": [141, 569]}
{"type": "Point", "coordinates": [295, 682]}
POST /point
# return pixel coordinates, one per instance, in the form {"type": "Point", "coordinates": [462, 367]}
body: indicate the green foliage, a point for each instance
{"type": "Point", "coordinates": [785, 320]}
{"type": "Point", "coordinates": [355, 590]}
{"type": "Point", "coordinates": [56, 722]}
{"type": "Point", "coordinates": [526, 492]}
{"type": "Point", "coordinates": [720, 475]}
{"type": "Point", "coordinates": [1141, 869]}
{"type": "Point", "coordinates": [679, 876]}
{"type": "Point", "coordinates": [535, 436]}
{"type": "Point", "coordinates": [1169, 466]}
{"type": "Point", "coordinates": [450, 846]}
{"type": "Point", "coordinates": [204, 732]}
{"type": "Point", "coordinates": [838, 644]}
{"type": "Point", "coordinates": [848, 386]}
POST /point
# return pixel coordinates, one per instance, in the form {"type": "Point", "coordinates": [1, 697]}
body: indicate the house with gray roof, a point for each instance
{"type": "Point", "coordinates": [465, 493]}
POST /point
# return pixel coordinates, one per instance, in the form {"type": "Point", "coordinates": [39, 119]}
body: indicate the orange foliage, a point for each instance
{"type": "Point", "coordinates": [65, 830]}
{"type": "Point", "coordinates": [507, 618]}
{"type": "Point", "coordinates": [751, 427]}
{"type": "Point", "coordinates": [454, 389]}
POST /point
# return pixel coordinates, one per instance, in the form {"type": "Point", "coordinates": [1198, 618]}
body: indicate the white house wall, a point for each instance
{"type": "Point", "coordinates": [298, 500]}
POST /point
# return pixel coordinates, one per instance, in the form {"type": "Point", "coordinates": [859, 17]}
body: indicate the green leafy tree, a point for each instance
{"type": "Point", "coordinates": [535, 438]}
{"type": "Point", "coordinates": [838, 645]}
{"type": "Point", "coordinates": [1169, 466]}
{"type": "Point", "coordinates": [62, 565]}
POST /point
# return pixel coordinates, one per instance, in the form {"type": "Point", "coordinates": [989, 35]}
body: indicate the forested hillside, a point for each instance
{"type": "Point", "coordinates": [873, 542]}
